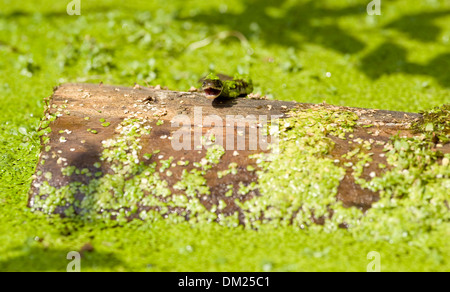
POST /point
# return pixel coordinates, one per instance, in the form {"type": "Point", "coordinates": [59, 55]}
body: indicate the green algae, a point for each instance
{"type": "Point", "coordinates": [212, 76]}
{"type": "Point", "coordinates": [435, 124]}
{"type": "Point", "coordinates": [244, 190]}
{"type": "Point", "coordinates": [297, 183]}
{"type": "Point", "coordinates": [134, 186]}
{"type": "Point", "coordinates": [214, 153]}
{"type": "Point", "coordinates": [413, 194]}
{"type": "Point", "coordinates": [32, 241]}
{"type": "Point", "coordinates": [237, 87]}
{"type": "Point", "coordinates": [193, 183]}
{"type": "Point", "coordinates": [165, 164]}
{"type": "Point", "coordinates": [301, 188]}
{"type": "Point", "coordinates": [232, 169]}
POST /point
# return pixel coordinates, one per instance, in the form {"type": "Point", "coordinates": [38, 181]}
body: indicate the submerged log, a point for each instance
{"type": "Point", "coordinates": [86, 137]}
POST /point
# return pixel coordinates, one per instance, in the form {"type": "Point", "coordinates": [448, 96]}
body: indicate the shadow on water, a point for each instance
{"type": "Point", "coordinates": [281, 23]}
{"type": "Point", "coordinates": [420, 26]}
{"type": "Point", "coordinates": [295, 23]}
{"type": "Point", "coordinates": [307, 20]}
{"type": "Point", "coordinates": [391, 58]}
{"type": "Point", "coordinates": [16, 14]}
{"type": "Point", "coordinates": [41, 259]}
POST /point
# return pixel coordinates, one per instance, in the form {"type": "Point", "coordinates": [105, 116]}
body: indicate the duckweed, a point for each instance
{"type": "Point", "coordinates": [357, 53]}
{"type": "Point", "coordinates": [250, 168]}
{"type": "Point", "coordinates": [214, 153]}
{"type": "Point", "coordinates": [193, 182]}
{"type": "Point", "coordinates": [232, 169]}
{"type": "Point", "coordinates": [243, 190]}
{"type": "Point", "coordinates": [413, 194]}
{"type": "Point", "coordinates": [297, 183]}
{"type": "Point", "coordinates": [68, 171]}
{"type": "Point", "coordinates": [133, 186]}
{"type": "Point", "coordinates": [435, 124]}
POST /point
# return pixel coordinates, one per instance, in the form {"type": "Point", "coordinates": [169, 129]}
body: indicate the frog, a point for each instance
{"type": "Point", "coordinates": [226, 87]}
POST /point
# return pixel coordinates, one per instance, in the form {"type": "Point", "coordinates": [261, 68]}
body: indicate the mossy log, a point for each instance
{"type": "Point", "coordinates": [82, 121]}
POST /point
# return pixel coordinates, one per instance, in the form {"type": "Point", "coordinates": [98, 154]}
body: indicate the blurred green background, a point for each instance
{"type": "Point", "coordinates": [307, 51]}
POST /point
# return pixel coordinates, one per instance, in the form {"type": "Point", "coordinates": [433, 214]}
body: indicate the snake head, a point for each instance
{"type": "Point", "coordinates": [212, 88]}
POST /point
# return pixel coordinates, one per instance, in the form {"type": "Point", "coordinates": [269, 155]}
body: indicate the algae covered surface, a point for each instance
{"type": "Point", "coordinates": [307, 51]}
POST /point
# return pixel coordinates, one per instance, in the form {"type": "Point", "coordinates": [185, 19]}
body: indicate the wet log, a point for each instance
{"type": "Point", "coordinates": [82, 120]}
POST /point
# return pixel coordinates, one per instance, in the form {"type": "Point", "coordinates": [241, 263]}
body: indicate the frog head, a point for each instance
{"type": "Point", "coordinates": [212, 87]}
